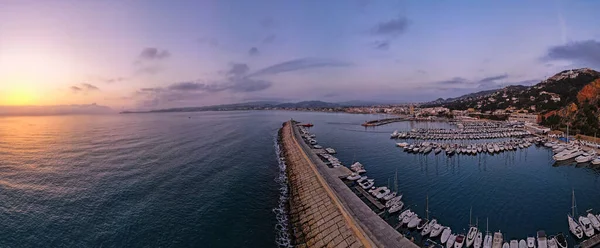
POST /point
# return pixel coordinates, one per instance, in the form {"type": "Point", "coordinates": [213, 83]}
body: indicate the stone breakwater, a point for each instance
{"type": "Point", "coordinates": [323, 210]}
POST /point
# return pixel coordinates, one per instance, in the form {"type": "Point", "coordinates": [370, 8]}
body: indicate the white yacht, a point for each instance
{"type": "Point", "coordinates": [569, 155]}
{"type": "Point", "coordinates": [596, 161]}
{"type": "Point", "coordinates": [541, 239]}
{"type": "Point", "coordinates": [586, 224]}
{"type": "Point", "coordinates": [530, 242]}
{"type": "Point", "coordinates": [446, 234]}
{"type": "Point", "coordinates": [471, 235]}
{"type": "Point", "coordinates": [586, 157]}
{"type": "Point", "coordinates": [594, 220]}
{"type": "Point", "coordinates": [478, 240]}
{"type": "Point", "coordinates": [487, 241]}
{"type": "Point", "coordinates": [497, 241]}
{"type": "Point", "coordinates": [575, 227]}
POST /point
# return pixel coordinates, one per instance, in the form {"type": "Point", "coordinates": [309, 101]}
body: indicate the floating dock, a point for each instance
{"type": "Point", "coordinates": [591, 242]}
{"type": "Point", "coordinates": [370, 198]}
{"type": "Point", "coordinates": [324, 211]}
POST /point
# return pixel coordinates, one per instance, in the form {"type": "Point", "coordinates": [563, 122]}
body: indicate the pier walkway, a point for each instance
{"type": "Point", "coordinates": [324, 211]}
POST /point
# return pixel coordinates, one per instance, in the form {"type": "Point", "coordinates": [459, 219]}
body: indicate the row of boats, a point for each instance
{"type": "Point", "coordinates": [584, 225]}
{"type": "Point", "coordinates": [460, 134]}
{"type": "Point", "coordinates": [434, 229]}
{"type": "Point", "coordinates": [467, 149]}
{"type": "Point", "coordinates": [563, 151]}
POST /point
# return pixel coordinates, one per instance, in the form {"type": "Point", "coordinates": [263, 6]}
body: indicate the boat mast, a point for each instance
{"type": "Point", "coordinates": [470, 212]}
{"type": "Point", "coordinates": [427, 206]}
{"type": "Point", "coordinates": [573, 206]}
{"type": "Point", "coordinates": [487, 225]}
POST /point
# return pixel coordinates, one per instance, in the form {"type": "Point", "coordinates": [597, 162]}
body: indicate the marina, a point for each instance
{"type": "Point", "coordinates": [408, 220]}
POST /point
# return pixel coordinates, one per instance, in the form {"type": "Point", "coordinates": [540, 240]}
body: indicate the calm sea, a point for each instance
{"type": "Point", "coordinates": [212, 179]}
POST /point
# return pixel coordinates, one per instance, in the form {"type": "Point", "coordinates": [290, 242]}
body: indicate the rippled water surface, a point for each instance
{"type": "Point", "coordinates": [213, 180]}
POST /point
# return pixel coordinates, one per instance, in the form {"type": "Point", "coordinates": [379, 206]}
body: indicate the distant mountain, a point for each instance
{"type": "Point", "coordinates": [89, 109]}
{"type": "Point", "coordinates": [309, 104]}
{"type": "Point", "coordinates": [246, 106]}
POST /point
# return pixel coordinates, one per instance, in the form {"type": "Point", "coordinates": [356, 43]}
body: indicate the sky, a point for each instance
{"type": "Point", "coordinates": [162, 54]}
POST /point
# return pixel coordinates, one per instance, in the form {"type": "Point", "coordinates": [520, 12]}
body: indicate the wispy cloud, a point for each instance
{"type": "Point", "coordinates": [153, 53]}
{"type": "Point", "coordinates": [267, 22]}
{"type": "Point", "coordinates": [269, 39]}
{"type": "Point", "coordinates": [83, 88]}
{"type": "Point", "coordinates": [299, 64]}
{"type": "Point", "coordinates": [114, 80]}
{"type": "Point", "coordinates": [149, 60]}
{"type": "Point", "coordinates": [393, 27]}
{"type": "Point", "coordinates": [585, 52]}
{"type": "Point", "coordinates": [237, 79]}
{"type": "Point", "coordinates": [493, 78]}
{"type": "Point", "coordinates": [253, 51]}
{"type": "Point", "coordinates": [382, 45]}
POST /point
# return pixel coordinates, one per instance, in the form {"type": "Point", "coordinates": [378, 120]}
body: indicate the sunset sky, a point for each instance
{"type": "Point", "coordinates": [157, 54]}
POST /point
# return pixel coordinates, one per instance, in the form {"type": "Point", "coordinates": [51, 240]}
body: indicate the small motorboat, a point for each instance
{"type": "Point", "coordinates": [514, 243]}
{"type": "Point", "coordinates": [560, 240]}
{"type": "Point", "coordinates": [552, 242]}
{"type": "Point", "coordinates": [367, 184]}
{"type": "Point", "coordinates": [530, 242]}
{"type": "Point", "coordinates": [401, 216]}
{"type": "Point", "coordinates": [414, 221]}
{"type": "Point", "coordinates": [408, 217]}
{"type": "Point", "coordinates": [353, 177]}
{"type": "Point", "coordinates": [389, 196]}
{"type": "Point", "coordinates": [522, 243]}
{"type": "Point", "coordinates": [446, 234]}
{"type": "Point", "coordinates": [478, 240]}
{"type": "Point", "coordinates": [393, 201]}
{"type": "Point", "coordinates": [422, 224]}
{"type": "Point", "coordinates": [505, 245]}
{"type": "Point", "coordinates": [436, 230]}
{"type": "Point", "coordinates": [459, 241]}
{"type": "Point", "coordinates": [541, 239]}
{"type": "Point", "coordinates": [450, 241]}
{"type": "Point", "coordinates": [363, 178]}
{"type": "Point", "coordinates": [586, 224]}
{"type": "Point", "coordinates": [396, 207]}
{"type": "Point", "coordinates": [497, 241]}
{"type": "Point", "coordinates": [427, 228]}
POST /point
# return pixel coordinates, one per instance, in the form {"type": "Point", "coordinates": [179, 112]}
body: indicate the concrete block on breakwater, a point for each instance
{"type": "Point", "coordinates": [324, 211]}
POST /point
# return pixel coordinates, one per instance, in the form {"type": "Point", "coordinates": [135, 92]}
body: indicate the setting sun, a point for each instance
{"type": "Point", "coordinates": [18, 96]}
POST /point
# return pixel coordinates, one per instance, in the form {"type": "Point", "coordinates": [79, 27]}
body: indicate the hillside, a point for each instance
{"type": "Point", "coordinates": [570, 96]}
